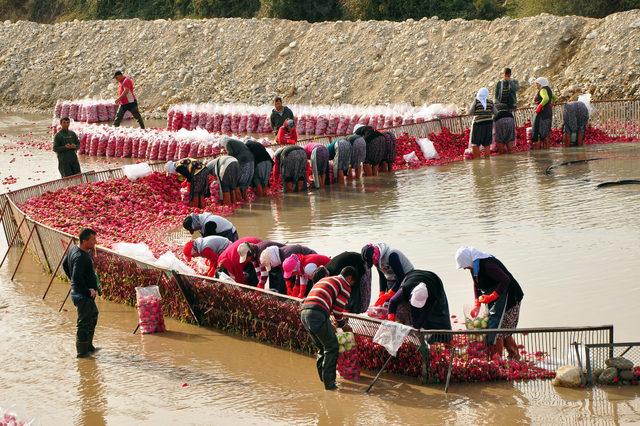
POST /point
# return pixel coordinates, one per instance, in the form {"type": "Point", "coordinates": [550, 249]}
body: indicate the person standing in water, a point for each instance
{"type": "Point", "coordinates": [328, 297]}
{"type": "Point", "coordinates": [127, 100]}
{"type": "Point", "coordinates": [78, 266]}
{"type": "Point", "coordinates": [506, 91]}
{"type": "Point", "coordinates": [65, 144]}
{"type": "Point", "coordinates": [279, 115]}
{"type": "Point", "coordinates": [543, 117]}
{"type": "Point", "coordinates": [494, 286]}
{"type": "Point", "coordinates": [483, 110]}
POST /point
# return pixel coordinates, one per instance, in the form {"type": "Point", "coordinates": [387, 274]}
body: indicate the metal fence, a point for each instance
{"type": "Point", "coordinates": [273, 318]}
{"type": "Point", "coordinates": [596, 355]}
{"type": "Point", "coordinates": [616, 117]}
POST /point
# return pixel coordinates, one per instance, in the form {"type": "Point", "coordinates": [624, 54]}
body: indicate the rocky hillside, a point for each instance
{"type": "Point", "coordinates": [335, 62]}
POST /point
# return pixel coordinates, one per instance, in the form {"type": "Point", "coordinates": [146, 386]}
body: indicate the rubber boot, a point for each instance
{"type": "Point", "coordinates": [580, 138]}
{"type": "Point", "coordinates": [358, 173]}
{"type": "Point", "coordinates": [340, 176]}
{"type": "Point", "coordinates": [288, 187]}
{"type": "Point", "coordinates": [92, 348]}
{"type": "Point", "coordinates": [82, 349]}
{"type": "Point", "coordinates": [321, 181]}
{"type": "Point", "coordinates": [226, 199]}
{"type": "Point", "coordinates": [302, 293]}
{"type": "Point", "coordinates": [300, 187]}
{"type": "Point", "coordinates": [259, 191]}
{"type": "Point", "coordinates": [368, 170]}
{"type": "Point", "coordinates": [566, 139]}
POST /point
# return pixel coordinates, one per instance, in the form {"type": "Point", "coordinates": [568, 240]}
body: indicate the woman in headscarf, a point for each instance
{"type": "Point", "coordinates": [576, 117]}
{"type": "Point", "coordinates": [482, 110]}
{"type": "Point", "coordinates": [271, 261]}
{"type": "Point", "coordinates": [195, 172]}
{"type": "Point", "coordinates": [390, 152]}
{"type": "Point", "coordinates": [210, 224]}
{"type": "Point", "coordinates": [250, 252]}
{"type": "Point", "coordinates": [494, 286]}
{"type": "Point", "coordinates": [229, 263]}
{"type": "Point", "coordinates": [542, 119]}
{"type": "Point", "coordinates": [227, 170]}
{"type": "Point", "coordinates": [263, 166]}
{"type": "Point", "coordinates": [240, 152]}
{"type": "Point", "coordinates": [209, 248]}
{"type": "Point", "coordinates": [358, 155]}
{"type": "Point", "coordinates": [505, 128]}
{"type": "Point", "coordinates": [424, 292]}
{"type": "Point", "coordinates": [392, 266]}
{"type": "Point", "coordinates": [291, 163]}
{"type": "Point", "coordinates": [340, 153]}
{"type": "Point", "coordinates": [376, 148]}
{"type": "Point", "coordinates": [287, 134]}
{"type": "Point", "coordinates": [318, 155]}
{"type": "Point", "coordinates": [361, 295]}
{"type": "Point", "coordinates": [298, 272]}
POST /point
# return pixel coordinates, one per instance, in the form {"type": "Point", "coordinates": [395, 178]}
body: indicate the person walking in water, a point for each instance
{"type": "Point", "coordinates": [328, 296]}
{"type": "Point", "coordinates": [127, 100]}
{"type": "Point", "coordinates": [543, 117]}
{"type": "Point", "coordinates": [78, 266]}
{"type": "Point", "coordinates": [65, 144]}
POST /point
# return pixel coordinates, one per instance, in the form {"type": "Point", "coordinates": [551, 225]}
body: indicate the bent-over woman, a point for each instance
{"type": "Point", "coordinates": [392, 266]}
{"type": "Point", "coordinates": [576, 117]}
{"type": "Point", "coordinates": [227, 170]}
{"type": "Point", "coordinates": [318, 155]}
{"type": "Point", "coordinates": [291, 163]}
{"type": "Point", "coordinates": [494, 286]}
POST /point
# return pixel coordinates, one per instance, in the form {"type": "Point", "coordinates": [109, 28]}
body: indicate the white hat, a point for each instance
{"type": "Point", "coordinates": [419, 295]}
{"type": "Point", "coordinates": [170, 167]}
{"type": "Point", "coordinates": [243, 251]}
{"type": "Point", "coordinates": [357, 126]}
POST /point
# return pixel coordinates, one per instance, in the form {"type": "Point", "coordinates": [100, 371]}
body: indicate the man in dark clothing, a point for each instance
{"type": "Point", "coordinates": [78, 265]}
{"type": "Point", "coordinates": [127, 100]}
{"type": "Point", "coordinates": [65, 144]}
{"type": "Point", "coordinates": [506, 91]}
{"type": "Point", "coordinates": [328, 296]}
{"type": "Point", "coordinates": [279, 115]}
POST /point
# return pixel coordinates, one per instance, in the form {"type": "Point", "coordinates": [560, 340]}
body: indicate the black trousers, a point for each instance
{"type": "Point", "coordinates": [69, 167]}
{"type": "Point", "coordinates": [87, 317]}
{"type": "Point", "coordinates": [319, 326]}
{"type": "Point", "coordinates": [131, 107]}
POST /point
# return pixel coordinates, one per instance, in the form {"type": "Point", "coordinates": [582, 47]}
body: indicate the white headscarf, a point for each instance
{"type": "Point", "coordinates": [541, 81]}
{"type": "Point", "coordinates": [419, 296]}
{"type": "Point", "coordinates": [357, 126]}
{"type": "Point", "coordinates": [465, 256]}
{"type": "Point", "coordinates": [224, 141]}
{"type": "Point", "coordinates": [170, 167]}
{"type": "Point", "coordinates": [270, 257]}
{"type": "Point", "coordinates": [482, 96]}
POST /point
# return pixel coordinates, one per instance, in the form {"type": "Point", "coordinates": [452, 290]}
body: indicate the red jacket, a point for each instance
{"type": "Point", "coordinates": [287, 138]}
{"type": "Point", "coordinates": [230, 259]}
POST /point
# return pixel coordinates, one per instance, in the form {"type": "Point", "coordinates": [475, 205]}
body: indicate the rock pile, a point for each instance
{"type": "Point", "coordinates": [251, 60]}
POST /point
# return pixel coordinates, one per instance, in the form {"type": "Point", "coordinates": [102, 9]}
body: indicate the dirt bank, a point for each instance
{"type": "Point", "coordinates": [250, 60]}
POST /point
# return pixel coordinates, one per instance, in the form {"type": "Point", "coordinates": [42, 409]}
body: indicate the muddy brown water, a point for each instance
{"type": "Point", "coordinates": [572, 247]}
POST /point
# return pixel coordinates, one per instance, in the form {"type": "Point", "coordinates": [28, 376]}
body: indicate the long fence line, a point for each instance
{"type": "Point", "coordinates": [608, 116]}
{"type": "Point", "coordinates": [555, 346]}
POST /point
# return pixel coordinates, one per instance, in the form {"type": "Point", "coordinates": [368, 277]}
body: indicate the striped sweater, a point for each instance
{"type": "Point", "coordinates": [330, 295]}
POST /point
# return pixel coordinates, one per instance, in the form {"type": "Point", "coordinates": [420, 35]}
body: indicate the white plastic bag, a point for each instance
{"type": "Point", "coordinates": [150, 315]}
{"type": "Point", "coordinates": [136, 171]}
{"type": "Point", "coordinates": [139, 251]}
{"type": "Point", "coordinates": [390, 335]}
{"type": "Point", "coordinates": [171, 262]}
{"type": "Point", "coordinates": [428, 149]}
{"type": "Point", "coordinates": [411, 157]}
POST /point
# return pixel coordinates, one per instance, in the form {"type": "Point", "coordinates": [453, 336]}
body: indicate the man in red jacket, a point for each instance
{"type": "Point", "coordinates": [127, 100]}
{"type": "Point", "coordinates": [328, 296]}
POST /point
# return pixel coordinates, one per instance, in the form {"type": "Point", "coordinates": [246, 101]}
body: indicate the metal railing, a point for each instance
{"type": "Point", "coordinates": [271, 317]}
{"type": "Point", "coordinates": [596, 355]}
{"type": "Point", "coordinates": [620, 117]}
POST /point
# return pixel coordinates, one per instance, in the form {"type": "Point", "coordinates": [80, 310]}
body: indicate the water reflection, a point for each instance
{"type": "Point", "coordinates": [92, 401]}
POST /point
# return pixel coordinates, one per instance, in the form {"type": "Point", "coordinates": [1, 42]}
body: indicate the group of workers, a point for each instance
{"type": "Point", "coordinates": [339, 284]}
{"type": "Point", "coordinates": [494, 120]}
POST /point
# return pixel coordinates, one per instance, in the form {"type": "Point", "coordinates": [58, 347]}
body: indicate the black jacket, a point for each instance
{"type": "Point", "coordinates": [278, 118]}
{"type": "Point", "coordinates": [78, 266]}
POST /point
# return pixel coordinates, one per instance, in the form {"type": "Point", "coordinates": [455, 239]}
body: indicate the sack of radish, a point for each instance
{"type": "Point", "coordinates": [150, 316]}
{"type": "Point", "coordinates": [348, 364]}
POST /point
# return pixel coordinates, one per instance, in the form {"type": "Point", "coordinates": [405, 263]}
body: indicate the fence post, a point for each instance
{"type": "Point", "coordinates": [24, 250]}
{"type": "Point", "coordinates": [587, 350]}
{"type": "Point", "coordinates": [611, 342]}
{"type": "Point", "coordinates": [180, 283]}
{"type": "Point", "coordinates": [44, 252]}
{"type": "Point", "coordinates": [13, 240]}
{"type": "Point", "coordinates": [53, 276]}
